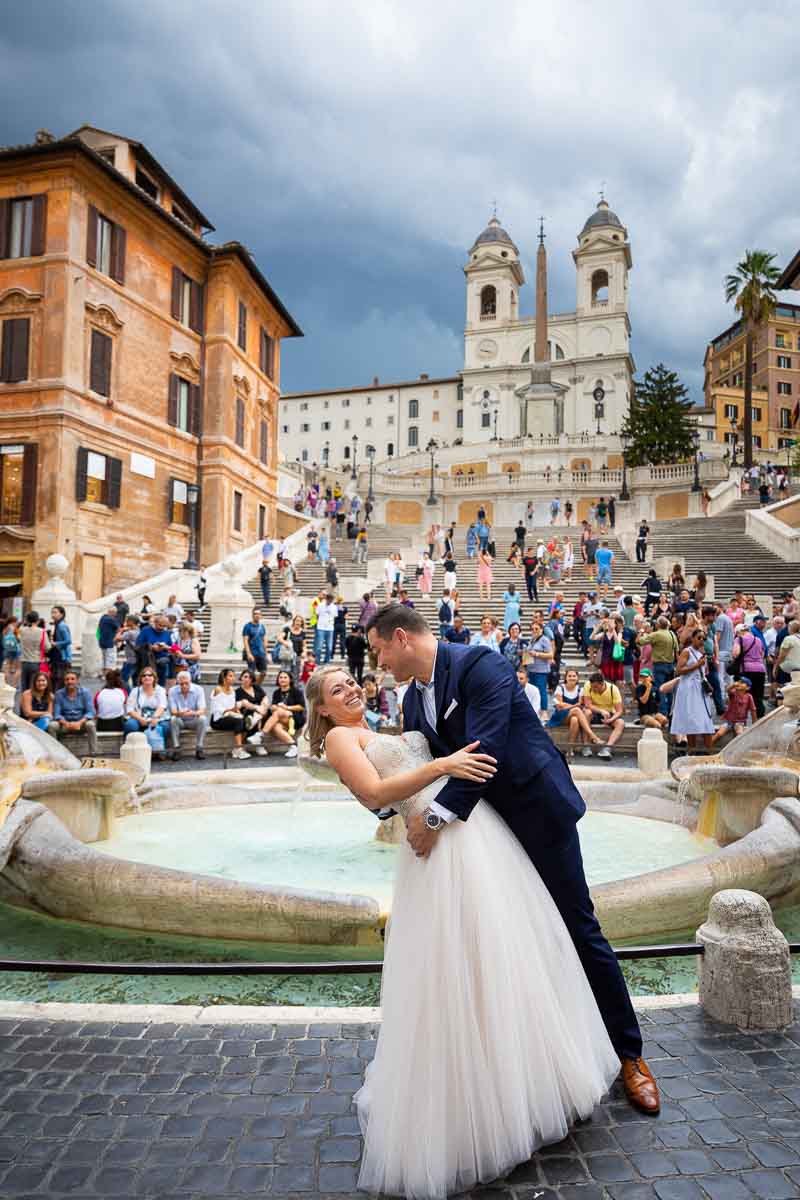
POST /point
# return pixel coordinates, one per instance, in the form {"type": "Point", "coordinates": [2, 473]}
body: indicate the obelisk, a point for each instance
{"type": "Point", "coordinates": [540, 345]}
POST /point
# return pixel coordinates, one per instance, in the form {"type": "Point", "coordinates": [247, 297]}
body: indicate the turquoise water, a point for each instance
{"type": "Point", "coordinates": [330, 845]}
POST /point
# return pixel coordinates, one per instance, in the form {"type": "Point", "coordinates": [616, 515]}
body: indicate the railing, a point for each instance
{"type": "Point", "coordinates": [368, 967]}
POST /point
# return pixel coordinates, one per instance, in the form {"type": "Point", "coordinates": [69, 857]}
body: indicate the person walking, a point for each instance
{"type": "Point", "coordinates": [265, 580]}
{"type": "Point", "coordinates": [530, 565]}
{"type": "Point", "coordinates": [604, 557]}
{"type": "Point", "coordinates": [641, 542]}
{"type": "Point", "coordinates": [107, 630]}
{"type": "Point", "coordinates": [485, 574]}
{"type": "Point", "coordinates": [512, 612]}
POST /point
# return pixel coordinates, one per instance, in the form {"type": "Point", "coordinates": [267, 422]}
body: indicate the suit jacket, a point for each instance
{"type": "Point", "coordinates": [478, 698]}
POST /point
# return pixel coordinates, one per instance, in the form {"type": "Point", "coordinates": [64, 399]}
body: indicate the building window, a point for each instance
{"type": "Point", "coordinates": [413, 410]}
{"type": "Point", "coordinates": [435, 415]}
{"type": "Point", "coordinates": [98, 478]}
{"type": "Point", "coordinates": [369, 399]}
{"type": "Point", "coordinates": [262, 521]}
{"type": "Point", "coordinates": [346, 402]}
{"type": "Point", "coordinates": [731, 411]}
{"type": "Point", "coordinates": [786, 418]}
{"type": "Point", "coordinates": [239, 432]}
{"type": "Point", "coordinates": [486, 420]}
{"type": "Point", "coordinates": [181, 216]}
{"type": "Point", "coordinates": [237, 511]}
{"type": "Point", "coordinates": [728, 437]}
{"type": "Point", "coordinates": [14, 356]}
{"type": "Point", "coordinates": [780, 340]}
{"type": "Point", "coordinates": [784, 389]}
{"type": "Point", "coordinates": [784, 362]}
{"type": "Point", "coordinates": [347, 452]}
{"type": "Point", "coordinates": [183, 409]}
{"type": "Point", "coordinates": [738, 379]}
{"type": "Point", "coordinates": [304, 406]}
{"type": "Point", "coordinates": [187, 300]}
{"type": "Point", "coordinates": [100, 363]}
{"type": "Point", "coordinates": [459, 418]}
{"type": "Point", "coordinates": [326, 426]}
{"type": "Point", "coordinates": [368, 422]}
{"type": "Point", "coordinates": [18, 484]}
{"type": "Point", "coordinates": [284, 428]}
{"type": "Point", "coordinates": [22, 226]}
{"type": "Point", "coordinates": [304, 456]}
{"type": "Point", "coordinates": [305, 427]}
{"type": "Point", "coordinates": [390, 419]}
{"type": "Point", "coordinates": [755, 414]}
{"type": "Point", "coordinates": [756, 441]}
{"type": "Point", "coordinates": [266, 354]}
{"type": "Point", "coordinates": [488, 302]}
{"type": "Point", "coordinates": [413, 435]}
{"type": "Point", "coordinates": [390, 449]}
{"type": "Point", "coordinates": [178, 502]}
{"type": "Point", "coordinates": [326, 404]}
{"type": "Point", "coordinates": [241, 336]}
{"type": "Point", "coordinates": [144, 182]}
{"type": "Point", "coordinates": [105, 245]}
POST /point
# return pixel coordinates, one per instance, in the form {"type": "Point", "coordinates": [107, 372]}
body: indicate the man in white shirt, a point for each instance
{"type": "Point", "coordinates": [530, 691]}
{"type": "Point", "coordinates": [326, 615]}
{"type": "Point", "coordinates": [187, 710]}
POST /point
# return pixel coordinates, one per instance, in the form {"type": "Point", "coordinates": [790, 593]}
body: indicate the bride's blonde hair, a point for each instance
{"type": "Point", "coordinates": [318, 725]}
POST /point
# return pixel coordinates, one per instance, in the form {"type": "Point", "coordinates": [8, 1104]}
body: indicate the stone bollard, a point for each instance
{"type": "Point", "coordinates": [651, 753]}
{"type": "Point", "coordinates": [136, 749]}
{"type": "Point", "coordinates": [745, 972]}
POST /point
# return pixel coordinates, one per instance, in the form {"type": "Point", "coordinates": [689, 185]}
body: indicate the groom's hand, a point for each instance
{"type": "Point", "coordinates": [421, 839]}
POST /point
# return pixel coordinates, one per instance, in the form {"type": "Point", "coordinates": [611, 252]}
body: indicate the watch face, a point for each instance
{"type": "Point", "coordinates": [433, 820]}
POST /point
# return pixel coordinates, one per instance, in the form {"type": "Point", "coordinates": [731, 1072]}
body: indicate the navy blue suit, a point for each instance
{"type": "Point", "coordinates": [478, 698]}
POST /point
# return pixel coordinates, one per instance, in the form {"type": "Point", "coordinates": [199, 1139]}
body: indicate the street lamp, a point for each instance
{"type": "Point", "coordinates": [192, 500]}
{"type": "Point", "coordinates": [599, 394]}
{"type": "Point", "coordinates": [355, 452]}
{"type": "Point", "coordinates": [431, 448]}
{"type": "Point", "coordinates": [696, 442]}
{"type": "Point", "coordinates": [494, 435]}
{"type": "Point", "coordinates": [326, 449]}
{"type": "Point", "coordinates": [371, 457]}
{"type": "Point", "coordinates": [735, 440]}
{"type": "Point", "coordinates": [624, 494]}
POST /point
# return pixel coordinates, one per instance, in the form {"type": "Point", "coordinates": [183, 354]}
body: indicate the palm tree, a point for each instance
{"type": "Point", "coordinates": [751, 288]}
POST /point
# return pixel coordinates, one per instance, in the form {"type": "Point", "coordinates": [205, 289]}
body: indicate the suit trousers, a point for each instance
{"type": "Point", "coordinates": [561, 869]}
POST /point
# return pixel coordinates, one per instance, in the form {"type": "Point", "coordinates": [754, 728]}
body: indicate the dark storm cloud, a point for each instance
{"type": "Point", "coordinates": [356, 148]}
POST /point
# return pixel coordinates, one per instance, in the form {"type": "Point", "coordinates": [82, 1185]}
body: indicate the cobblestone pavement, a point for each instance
{"type": "Point", "coordinates": [165, 1111]}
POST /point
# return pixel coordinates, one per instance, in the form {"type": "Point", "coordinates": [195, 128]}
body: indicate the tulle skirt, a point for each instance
{"type": "Point", "coordinates": [491, 1041]}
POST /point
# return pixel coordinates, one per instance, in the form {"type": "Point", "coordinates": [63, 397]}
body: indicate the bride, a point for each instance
{"type": "Point", "coordinates": [491, 1042]}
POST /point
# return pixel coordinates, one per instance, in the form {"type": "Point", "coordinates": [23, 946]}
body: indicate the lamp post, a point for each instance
{"type": "Point", "coordinates": [735, 439]}
{"type": "Point", "coordinates": [355, 452]}
{"type": "Point", "coordinates": [371, 457]}
{"type": "Point", "coordinates": [326, 449]}
{"type": "Point", "coordinates": [624, 494]}
{"type": "Point", "coordinates": [599, 395]}
{"type": "Point", "coordinates": [696, 441]}
{"type": "Point", "coordinates": [431, 448]}
{"type": "Point", "coordinates": [192, 500]}
{"type": "Point", "coordinates": [494, 435]}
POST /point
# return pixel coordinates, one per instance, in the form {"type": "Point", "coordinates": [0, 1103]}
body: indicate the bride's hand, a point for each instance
{"type": "Point", "coordinates": [466, 764]}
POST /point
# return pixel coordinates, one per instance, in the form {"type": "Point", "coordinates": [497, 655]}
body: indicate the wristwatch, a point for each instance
{"type": "Point", "coordinates": [432, 820]}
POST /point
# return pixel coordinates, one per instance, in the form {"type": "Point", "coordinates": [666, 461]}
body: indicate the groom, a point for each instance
{"type": "Point", "coordinates": [464, 694]}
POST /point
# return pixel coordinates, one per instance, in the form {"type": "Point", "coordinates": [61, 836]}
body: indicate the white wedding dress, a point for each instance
{"type": "Point", "coordinates": [491, 1041]}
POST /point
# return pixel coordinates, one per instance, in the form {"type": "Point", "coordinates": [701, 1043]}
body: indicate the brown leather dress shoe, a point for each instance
{"type": "Point", "coordinates": [640, 1086]}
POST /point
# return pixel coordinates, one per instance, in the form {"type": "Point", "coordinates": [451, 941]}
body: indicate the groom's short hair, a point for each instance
{"type": "Point", "coordinates": [396, 616]}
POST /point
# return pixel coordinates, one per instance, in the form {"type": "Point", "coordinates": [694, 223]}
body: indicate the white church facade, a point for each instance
{"type": "Point", "coordinates": [504, 389]}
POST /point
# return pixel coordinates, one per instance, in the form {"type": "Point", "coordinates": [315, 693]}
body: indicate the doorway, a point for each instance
{"type": "Point", "coordinates": [92, 576]}
{"type": "Point", "coordinates": [12, 583]}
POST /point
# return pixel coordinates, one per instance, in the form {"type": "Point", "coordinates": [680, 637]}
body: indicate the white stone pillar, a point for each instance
{"type": "Point", "coordinates": [136, 749]}
{"type": "Point", "coordinates": [651, 753]}
{"type": "Point", "coordinates": [55, 591]}
{"type": "Point", "coordinates": [745, 972]}
{"type": "Point", "coordinates": [231, 607]}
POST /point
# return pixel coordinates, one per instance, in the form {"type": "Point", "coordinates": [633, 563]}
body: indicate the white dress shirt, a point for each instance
{"type": "Point", "coordinates": [428, 691]}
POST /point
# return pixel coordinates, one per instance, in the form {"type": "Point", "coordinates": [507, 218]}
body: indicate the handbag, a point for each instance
{"type": "Point", "coordinates": [618, 652]}
{"type": "Point", "coordinates": [44, 665]}
{"type": "Point", "coordinates": [155, 739]}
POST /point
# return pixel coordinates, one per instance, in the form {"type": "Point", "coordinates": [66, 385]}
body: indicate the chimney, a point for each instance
{"type": "Point", "coordinates": [423, 377]}
{"type": "Point", "coordinates": [375, 381]}
{"type": "Point", "coordinates": [44, 137]}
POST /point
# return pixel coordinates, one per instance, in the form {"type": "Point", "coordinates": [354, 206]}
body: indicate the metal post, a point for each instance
{"type": "Point", "coordinates": [192, 499]}
{"type": "Point", "coordinates": [624, 494]}
{"type": "Point", "coordinates": [432, 447]}
{"type": "Point", "coordinates": [371, 457]}
{"type": "Point", "coordinates": [355, 451]}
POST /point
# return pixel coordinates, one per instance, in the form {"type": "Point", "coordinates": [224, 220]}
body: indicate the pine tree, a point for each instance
{"type": "Point", "coordinates": [658, 425]}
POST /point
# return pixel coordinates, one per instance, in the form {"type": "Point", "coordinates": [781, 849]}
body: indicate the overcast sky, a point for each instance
{"type": "Point", "coordinates": [357, 147]}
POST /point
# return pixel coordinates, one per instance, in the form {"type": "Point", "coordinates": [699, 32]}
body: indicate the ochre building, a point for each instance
{"type": "Point", "coordinates": [139, 371]}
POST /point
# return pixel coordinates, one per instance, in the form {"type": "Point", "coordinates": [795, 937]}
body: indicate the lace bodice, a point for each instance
{"type": "Point", "coordinates": [392, 755]}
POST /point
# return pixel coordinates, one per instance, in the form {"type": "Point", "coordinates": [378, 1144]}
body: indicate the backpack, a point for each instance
{"type": "Point", "coordinates": [445, 615]}
{"type": "Point", "coordinates": [275, 653]}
